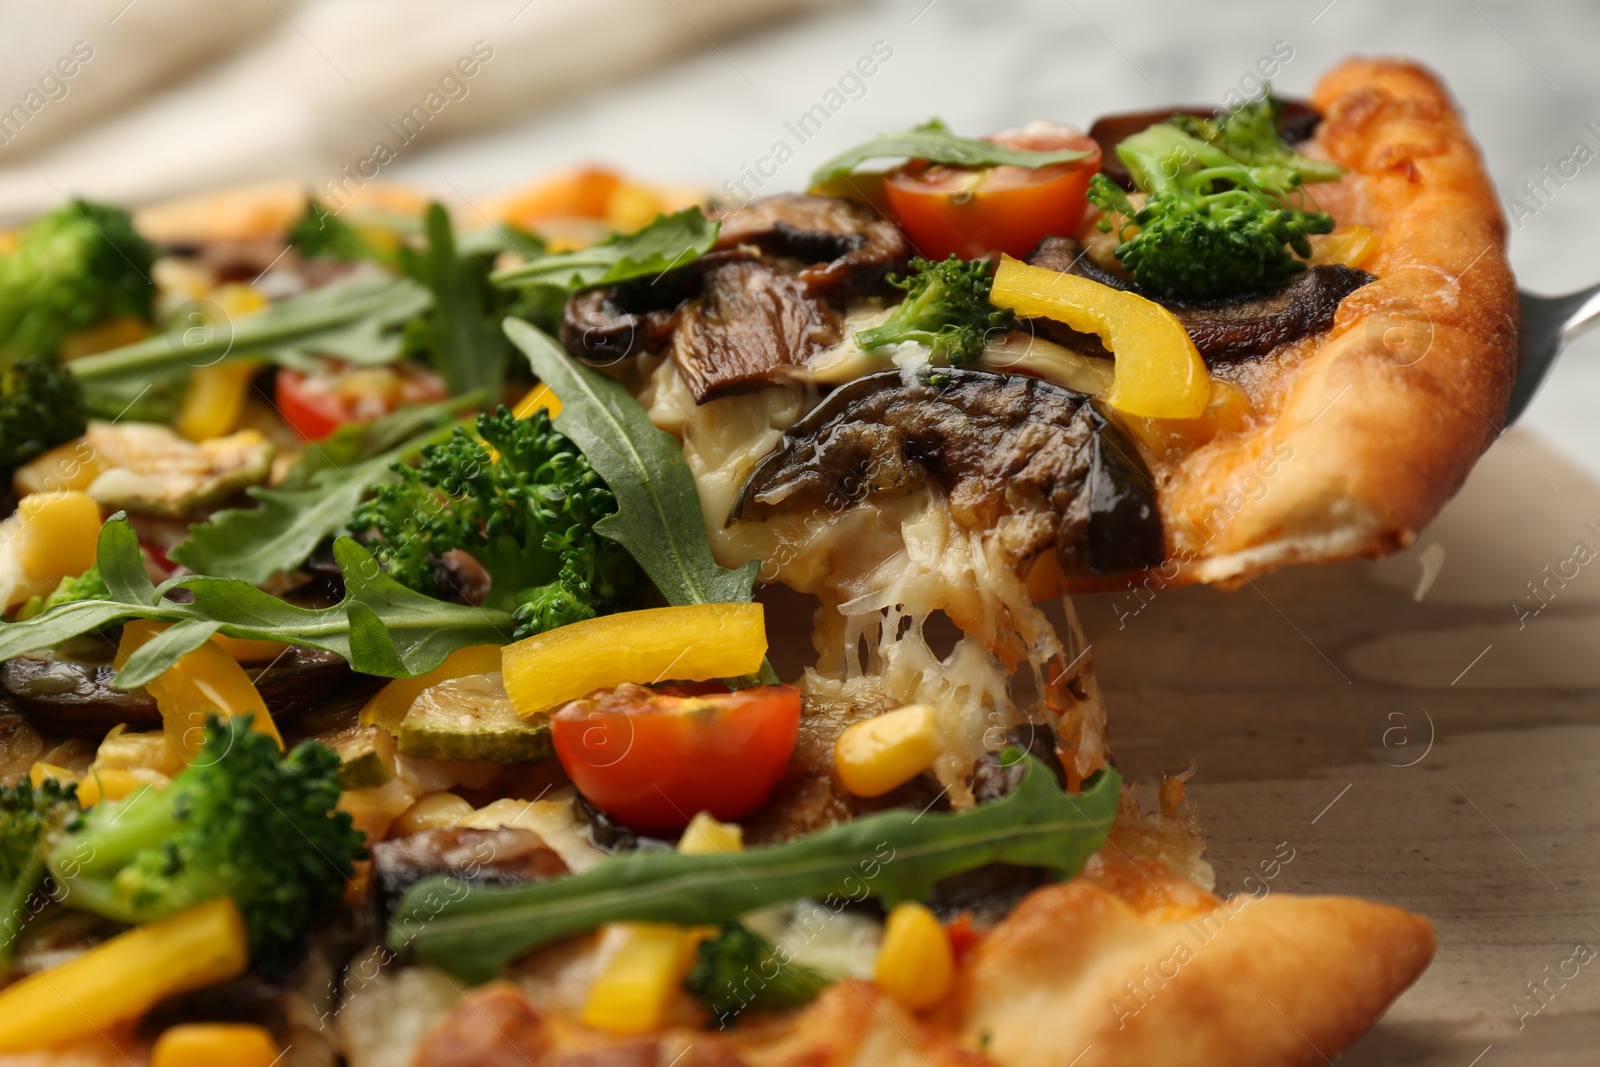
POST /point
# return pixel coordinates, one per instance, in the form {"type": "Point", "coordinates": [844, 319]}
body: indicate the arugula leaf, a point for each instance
{"type": "Point", "coordinates": [380, 627]}
{"type": "Point", "coordinates": [499, 237]}
{"type": "Point", "coordinates": [316, 498]}
{"type": "Point", "coordinates": [461, 334]}
{"type": "Point", "coordinates": [658, 517]}
{"type": "Point", "coordinates": [891, 855]}
{"type": "Point", "coordinates": [668, 242]}
{"type": "Point", "coordinates": [933, 141]}
{"type": "Point", "coordinates": [355, 319]}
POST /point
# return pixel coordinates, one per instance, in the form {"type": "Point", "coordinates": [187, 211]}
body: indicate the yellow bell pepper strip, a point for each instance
{"type": "Point", "coordinates": [632, 993]}
{"type": "Point", "coordinates": [390, 704]}
{"type": "Point", "coordinates": [695, 643]}
{"type": "Point", "coordinates": [123, 978]}
{"type": "Point", "coordinates": [1228, 409]}
{"type": "Point", "coordinates": [215, 1045]}
{"type": "Point", "coordinates": [246, 650]}
{"type": "Point", "coordinates": [52, 537]}
{"type": "Point", "coordinates": [540, 396]}
{"type": "Point", "coordinates": [205, 681]}
{"type": "Point", "coordinates": [1159, 372]}
{"type": "Point", "coordinates": [915, 965]}
{"type": "Point", "coordinates": [214, 399]}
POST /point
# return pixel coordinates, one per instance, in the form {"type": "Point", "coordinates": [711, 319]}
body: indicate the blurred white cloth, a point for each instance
{"type": "Point", "coordinates": [176, 95]}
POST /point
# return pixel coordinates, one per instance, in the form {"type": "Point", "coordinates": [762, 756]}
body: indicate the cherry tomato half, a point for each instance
{"type": "Point", "coordinates": [654, 758]}
{"type": "Point", "coordinates": [972, 212]}
{"type": "Point", "coordinates": [317, 404]}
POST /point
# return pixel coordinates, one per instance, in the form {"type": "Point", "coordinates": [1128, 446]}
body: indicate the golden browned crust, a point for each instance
{"type": "Point", "coordinates": [1125, 964]}
{"type": "Point", "coordinates": [1367, 431]}
{"type": "Point", "coordinates": [259, 211]}
{"type": "Point", "coordinates": [1079, 976]}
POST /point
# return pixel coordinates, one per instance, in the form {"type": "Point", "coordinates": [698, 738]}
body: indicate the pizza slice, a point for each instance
{"type": "Point", "coordinates": [919, 406]}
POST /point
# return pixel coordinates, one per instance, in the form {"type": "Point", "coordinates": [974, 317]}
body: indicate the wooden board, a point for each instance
{"type": "Point", "coordinates": [1441, 753]}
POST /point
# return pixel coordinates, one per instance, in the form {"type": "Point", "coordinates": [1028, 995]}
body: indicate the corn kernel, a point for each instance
{"type": "Point", "coordinates": [632, 993]}
{"type": "Point", "coordinates": [875, 755]}
{"type": "Point", "coordinates": [213, 1044]}
{"type": "Point", "coordinates": [705, 834]}
{"type": "Point", "coordinates": [431, 811]}
{"type": "Point", "coordinates": [915, 965]}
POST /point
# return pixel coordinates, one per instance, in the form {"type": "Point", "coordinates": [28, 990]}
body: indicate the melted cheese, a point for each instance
{"type": "Point", "coordinates": [881, 568]}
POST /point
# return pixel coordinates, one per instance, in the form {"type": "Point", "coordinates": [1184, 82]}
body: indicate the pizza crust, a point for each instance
{"type": "Point", "coordinates": [1125, 964]}
{"type": "Point", "coordinates": [1099, 973]}
{"type": "Point", "coordinates": [1370, 429]}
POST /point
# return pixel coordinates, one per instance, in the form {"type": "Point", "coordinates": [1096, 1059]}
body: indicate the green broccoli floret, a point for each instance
{"type": "Point", "coordinates": [86, 586]}
{"type": "Point", "coordinates": [239, 821]}
{"type": "Point", "coordinates": [738, 969]}
{"type": "Point", "coordinates": [1249, 134]}
{"type": "Point", "coordinates": [31, 820]}
{"type": "Point", "coordinates": [320, 234]}
{"type": "Point", "coordinates": [1218, 219]}
{"type": "Point", "coordinates": [73, 268]}
{"type": "Point", "coordinates": [41, 406]}
{"type": "Point", "coordinates": [528, 517]}
{"type": "Point", "coordinates": [946, 308]}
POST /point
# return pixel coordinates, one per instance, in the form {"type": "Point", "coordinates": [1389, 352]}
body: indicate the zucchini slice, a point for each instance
{"type": "Point", "coordinates": [471, 718]}
{"type": "Point", "coordinates": [366, 756]}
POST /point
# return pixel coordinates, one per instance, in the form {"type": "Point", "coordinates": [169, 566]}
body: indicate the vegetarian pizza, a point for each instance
{"type": "Point", "coordinates": [385, 674]}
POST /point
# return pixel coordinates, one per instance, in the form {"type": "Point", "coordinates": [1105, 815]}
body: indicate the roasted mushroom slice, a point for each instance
{"type": "Point", "coordinates": [751, 319]}
{"type": "Point", "coordinates": [604, 325]}
{"type": "Point", "coordinates": [75, 697]}
{"type": "Point", "coordinates": [768, 295]}
{"type": "Point", "coordinates": [848, 250]}
{"type": "Point", "coordinates": [1041, 465]}
{"type": "Point", "coordinates": [506, 856]}
{"type": "Point", "coordinates": [601, 326]}
{"type": "Point", "coordinates": [1237, 327]}
{"type": "Point", "coordinates": [78, 698]}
